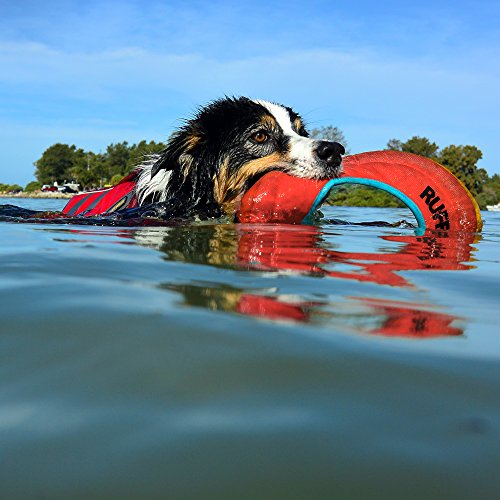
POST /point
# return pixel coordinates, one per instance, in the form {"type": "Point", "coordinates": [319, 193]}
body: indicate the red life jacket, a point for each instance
{"type": "Point", "coordinates": [105, 201]}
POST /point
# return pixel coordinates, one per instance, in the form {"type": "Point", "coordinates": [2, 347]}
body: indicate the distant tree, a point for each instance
{"type": "Point", "coordinates": [330, 133]}
{"type": "Point", "coordinates": [462, 161]}
{"type": "Point", "coordinates": [362, 196]}
{"type": "Point", "coordinates": [416, 145]}
{"type": "Point", "coordinates": [56, 163]}
{"type": "Point", "coordinates": [8, 188]}
{"type": "Point", "coordinates": [61, 162]}
{"type": "Point", "coordinates": [395, 145]}
{"type": "Point", "coordinates": [495, 181]}
{"type": "Point", "coordinates": [491, 190]}
{"type": "Point", "coordinates": [116, 159]}
{"type": "Point", "coordinates": [32, 186]}
{"type": "Point", "coordinates": [89, 169]}
{"type": "Point", "coordinates": [488, 196]}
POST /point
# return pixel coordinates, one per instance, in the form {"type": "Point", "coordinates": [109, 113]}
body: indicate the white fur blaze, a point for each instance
{"type": "Point", "coordinates": [301, 148]}
{"type": "Point", "coordinates": [157, 187]}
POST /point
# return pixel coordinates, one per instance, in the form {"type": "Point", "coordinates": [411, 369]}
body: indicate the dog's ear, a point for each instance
{"type": "Point", "coordinates": [177, 154]}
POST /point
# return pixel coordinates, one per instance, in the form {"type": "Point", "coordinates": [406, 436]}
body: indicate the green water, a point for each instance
{"type": "Point", "coordinates": [226, 361]}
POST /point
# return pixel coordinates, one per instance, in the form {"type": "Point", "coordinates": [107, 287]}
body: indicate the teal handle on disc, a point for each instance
{"type": "Point", "coordinates": [371, 183]}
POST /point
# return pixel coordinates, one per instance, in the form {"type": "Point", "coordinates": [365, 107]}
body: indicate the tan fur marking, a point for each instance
{"type": "Point", "coordinates": [269, 121]}
{"type": "Point", "coordinates": [192, 141]}
{"type": "Point", "coordinates": [186, 160]}
{"type": "Point", "coordinates": [227, 189]}
{"type": "Point", "coordinates": [255, 167]}
{"type": "Point", "coordinates": [298, 124]}
{"type": "Point", "coordinates": [186, 163]}
{"type": "Point", "coordinates": [221, 182]}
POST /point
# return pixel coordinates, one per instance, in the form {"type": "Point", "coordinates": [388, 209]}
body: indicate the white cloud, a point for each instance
{"type": "Point", "coordinates": [364, 92]}
{"type": "Point", "coordinates": [295, 72]}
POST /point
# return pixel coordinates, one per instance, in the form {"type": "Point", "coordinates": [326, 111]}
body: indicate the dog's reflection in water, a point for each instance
{"type": "Point", "coordinates": [303, 250]}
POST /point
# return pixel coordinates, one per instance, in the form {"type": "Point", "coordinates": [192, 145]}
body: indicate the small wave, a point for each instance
{"type": "Point", "coordinates": [156, 214]}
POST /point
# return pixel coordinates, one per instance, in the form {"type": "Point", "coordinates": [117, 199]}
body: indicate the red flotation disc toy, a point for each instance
{"type": "Point", "coordinates": [437, 199]}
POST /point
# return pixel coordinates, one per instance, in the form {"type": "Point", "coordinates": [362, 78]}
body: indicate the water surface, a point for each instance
{"type": "Point", "coordinates": [217, 360]}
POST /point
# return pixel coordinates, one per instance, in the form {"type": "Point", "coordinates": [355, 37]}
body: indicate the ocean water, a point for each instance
{"type": "Point", "coordinates": [249, 361]}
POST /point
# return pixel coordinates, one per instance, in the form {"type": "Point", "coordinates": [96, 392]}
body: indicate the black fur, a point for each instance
{"type": "Point", "coordinates": [219, 137]}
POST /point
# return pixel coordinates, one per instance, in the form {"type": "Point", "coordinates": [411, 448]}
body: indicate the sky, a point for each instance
{"type": "Point", "coordinates": [99, 72]}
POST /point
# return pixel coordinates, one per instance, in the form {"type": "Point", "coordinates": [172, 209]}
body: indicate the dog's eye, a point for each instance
{"type": "Point", "coordinates": [260, 137]}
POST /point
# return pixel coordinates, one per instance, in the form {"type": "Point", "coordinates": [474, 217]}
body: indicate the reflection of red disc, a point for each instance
{"type": "Point", "coordinates": [435, 196]}
{"type": "Point", "coordinates": [410, 320]}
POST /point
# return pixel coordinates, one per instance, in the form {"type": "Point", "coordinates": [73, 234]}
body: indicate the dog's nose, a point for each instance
{"type": "Point", "coordinates": [330, 152]}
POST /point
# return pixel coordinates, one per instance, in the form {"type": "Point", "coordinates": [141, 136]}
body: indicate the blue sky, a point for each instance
{"type": "Point", "coordinates": [95, 72]}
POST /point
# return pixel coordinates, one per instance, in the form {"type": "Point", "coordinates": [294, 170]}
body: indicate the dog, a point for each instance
{"type": "Point", "coordinates": [215, 157]}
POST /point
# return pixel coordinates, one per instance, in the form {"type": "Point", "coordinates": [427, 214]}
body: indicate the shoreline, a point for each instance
{"type": "Point", "coordinates": [38, 194]}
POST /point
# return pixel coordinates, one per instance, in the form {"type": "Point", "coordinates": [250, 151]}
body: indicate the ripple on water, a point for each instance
{"type": "Point", "coordinates": [246, 361]}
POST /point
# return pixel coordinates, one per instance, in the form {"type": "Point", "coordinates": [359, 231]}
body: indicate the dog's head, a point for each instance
{"type": "Point", "coordinates": [216, 156]}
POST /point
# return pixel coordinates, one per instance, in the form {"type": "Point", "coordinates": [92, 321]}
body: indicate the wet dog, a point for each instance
{"type": "Point", "coordinates": [215, 157]}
